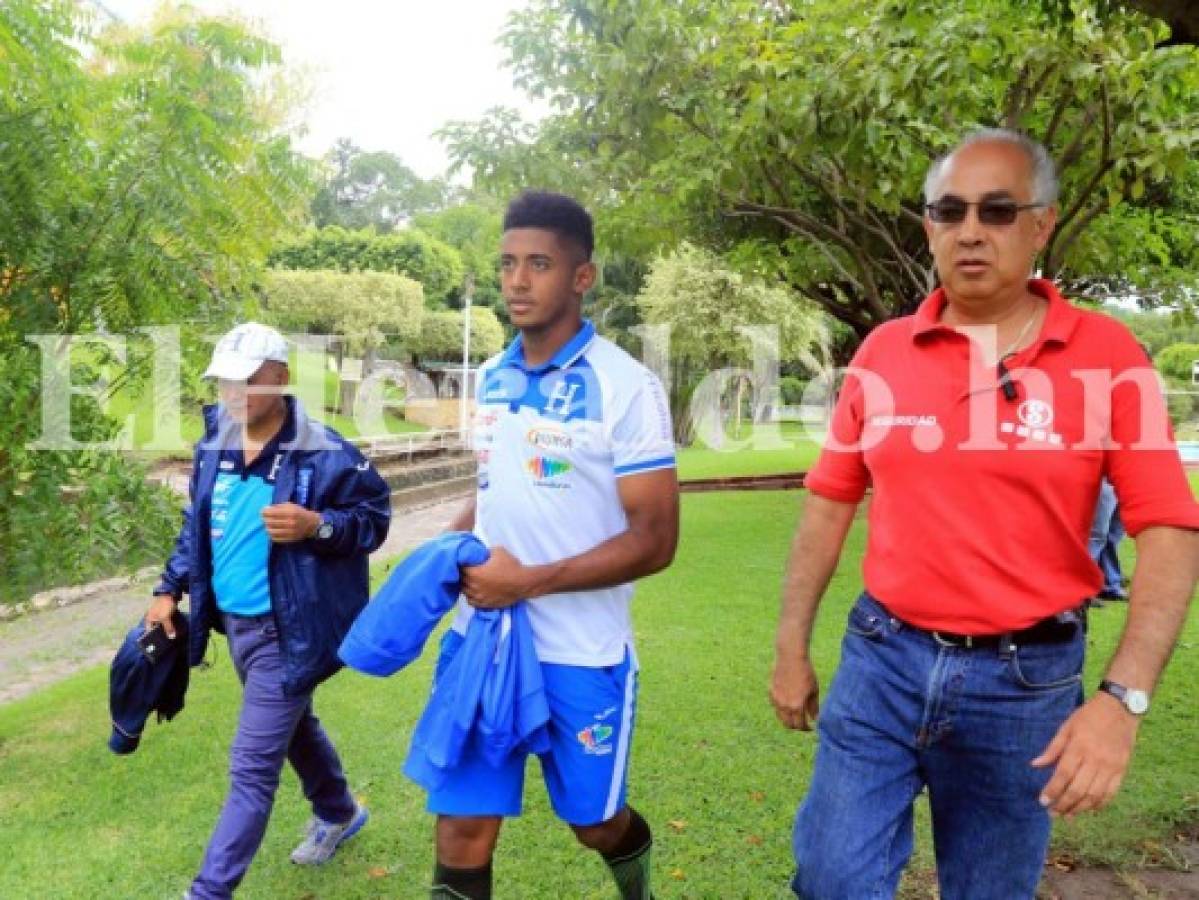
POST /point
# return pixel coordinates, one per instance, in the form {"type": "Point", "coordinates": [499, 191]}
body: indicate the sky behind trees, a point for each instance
{"type": "Point", "coordinates": [383, 74]}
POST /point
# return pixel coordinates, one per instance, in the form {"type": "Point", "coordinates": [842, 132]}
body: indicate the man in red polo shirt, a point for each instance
{"type": "Point", "coordinates": [984, 424]}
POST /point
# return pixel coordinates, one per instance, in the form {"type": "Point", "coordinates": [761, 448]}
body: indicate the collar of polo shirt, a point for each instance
{"type": "Point", "coordinates": [514, 356]}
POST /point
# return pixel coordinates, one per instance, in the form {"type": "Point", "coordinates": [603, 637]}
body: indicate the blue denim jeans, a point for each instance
{"type": "Point", "coordinates": [905, 713]}
{"type": "Point", "coordinates": [272, 727]}
{"type": "Point", "coordinates": [1106, 533]}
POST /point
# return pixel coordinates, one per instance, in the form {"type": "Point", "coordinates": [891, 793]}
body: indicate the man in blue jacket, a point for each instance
{"type": "Point", "coordinates": [273, 552]}
{"type": "Point", "coordinates": [577, 498]}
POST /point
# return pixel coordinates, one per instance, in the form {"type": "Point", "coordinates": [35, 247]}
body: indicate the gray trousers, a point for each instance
{"type": "Point", "coordinates": [271, 727]}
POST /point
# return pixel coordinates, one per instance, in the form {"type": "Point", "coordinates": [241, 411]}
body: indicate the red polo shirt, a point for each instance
{"type": "Point", "coordinates": [982, 505]}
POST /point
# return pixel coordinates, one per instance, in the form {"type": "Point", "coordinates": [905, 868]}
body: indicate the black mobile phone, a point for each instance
{"type": "Point", "coordinates": [154, 643]}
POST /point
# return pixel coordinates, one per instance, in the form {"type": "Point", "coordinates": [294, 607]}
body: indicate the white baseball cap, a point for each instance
{"type": "Point", "coordinates": [241, 352]}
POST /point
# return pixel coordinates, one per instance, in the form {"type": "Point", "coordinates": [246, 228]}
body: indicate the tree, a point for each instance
{"type": "Point", "coordinates": [708, 307]}
{"type": "Point", "coordinates": [612, 303]}
{"type": "Point", "coordinates": [1157, 330]}
{"type": "Point", "coordinates": [365, 308]}
{"type": "Point", "coordinates": [1176, 364]}
{"type": "Point", "coordinates": [145, 184]}
{"type": "Point", "coordinates": [794, 138]}
{"type": "Point", "coordinates": [1181, 15]}
{"type": "Point", "coordinates": [441, 335]}
{"type": "Point", "coordinates": [144, 177]}
{"type": "Point", "coordinates": [473, 229]}
{"type": "Point", "coordinates": [411, 252]}
{"type": "Point", "coordinates": [373, 190]}
{"type": "Point", "coordinates": [1177, 361]}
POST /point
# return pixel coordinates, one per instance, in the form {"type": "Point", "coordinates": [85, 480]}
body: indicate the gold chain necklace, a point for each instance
{"type": "Point", "coordinates": [1011, 348]}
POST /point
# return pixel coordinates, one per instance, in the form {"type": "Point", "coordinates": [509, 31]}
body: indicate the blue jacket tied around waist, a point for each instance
{"type": "Point", "coordinates": [317, 586]}
{"type": "Point", "coordinates": [490, 693]}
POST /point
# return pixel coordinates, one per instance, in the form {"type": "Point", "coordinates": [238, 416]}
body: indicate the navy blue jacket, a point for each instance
{"type": "Point", "coordinates": [138, 687]}
{"type": "Point", "coordinates": [317, 586]}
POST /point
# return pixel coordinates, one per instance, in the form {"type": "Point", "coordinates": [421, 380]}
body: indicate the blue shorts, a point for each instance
{"type": "Point", "coordinates": [590, 730]}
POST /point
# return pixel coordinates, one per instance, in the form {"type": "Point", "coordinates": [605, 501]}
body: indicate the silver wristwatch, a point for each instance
{"type": "Point", "coordinates": [1136, 702]}
{"type": "Point", "coordinates": [324, 531]}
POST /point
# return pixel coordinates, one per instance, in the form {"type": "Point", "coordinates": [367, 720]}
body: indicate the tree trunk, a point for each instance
{"type": "Point", "coordinates": [739, 401]}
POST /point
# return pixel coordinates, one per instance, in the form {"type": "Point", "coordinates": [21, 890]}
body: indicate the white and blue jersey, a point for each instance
{"type": "Point", "coordinates": [240, 544]}
{"type": "Point", "coordinates": [551, 443]}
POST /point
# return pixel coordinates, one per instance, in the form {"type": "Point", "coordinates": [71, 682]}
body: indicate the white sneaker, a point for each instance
{"type": "Point", "coordinates": [321, 838]}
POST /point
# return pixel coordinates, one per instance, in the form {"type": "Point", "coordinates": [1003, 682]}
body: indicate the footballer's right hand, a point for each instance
{"type": "Point", "coordinates": [162, 608]}
{"type": "Point", "coordinates": [795, 692]}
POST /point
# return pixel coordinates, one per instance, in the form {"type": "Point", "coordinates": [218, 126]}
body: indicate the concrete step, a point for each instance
{"type": "Point", "coordinates": [386, 456]}
{"type": "Point", "coordinates": [388, 449]}
{"type": "Point", "coordinates": [433, 492]}
{"type": "Point", "coordinates": [401, 476]}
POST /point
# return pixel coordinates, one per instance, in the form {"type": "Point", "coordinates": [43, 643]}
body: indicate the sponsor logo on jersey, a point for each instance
{"type": "Point", "coordinates": [554, 439]}
{"type": "Point", "coordinates": [548, 472]}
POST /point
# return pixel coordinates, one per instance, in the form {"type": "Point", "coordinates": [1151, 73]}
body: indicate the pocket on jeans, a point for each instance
{"type": "Point", "coordinates": [1048, 667]}
{"type": "Point", "coordinates": [865, 621]}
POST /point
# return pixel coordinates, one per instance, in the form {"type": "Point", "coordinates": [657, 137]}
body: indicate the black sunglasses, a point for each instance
{"type": "Point", "coordinates": [952, 211]}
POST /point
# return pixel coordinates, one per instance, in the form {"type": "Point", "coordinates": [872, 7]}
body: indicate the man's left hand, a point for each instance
{"type": "Point", "coordinates": [1091, 752]}
{"type": "Point", "coordinates": [287, 523]}
{"type": "Point", "coordinates": [497, 583]}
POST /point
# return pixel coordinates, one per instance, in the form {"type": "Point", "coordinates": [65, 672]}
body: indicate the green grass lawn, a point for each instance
{"type": "Point", "coordinates": [711, 769]}
{"type": "Point", "coordinates": [766, 452]}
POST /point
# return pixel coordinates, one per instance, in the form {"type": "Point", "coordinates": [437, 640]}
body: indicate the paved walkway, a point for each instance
{"type": "Point", "coordinates": [41, 648]}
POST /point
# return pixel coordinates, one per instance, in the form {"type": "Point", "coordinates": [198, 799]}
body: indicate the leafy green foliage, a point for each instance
{"type": "Point", "coordinates": [612, 303]}
{"type": "Point", "coordinates": [1181, 15]}
{"type": "Point", "coordinates": [1145, 248]}
{"type": "Point", "coordinates": [791, 389]}
{"type": "Point", "coordinates": [436, 265]}
{"type": "Point", "coordinates": [1158, 330]}
{"type": "Point", "coordinates": [473, 229]}
{"type": "Point", "coordinates": [144, 180]}
{"type": "Point", "coordinates": [365, 308]}
{"type": "Point", "coordinates": [1176, 361]}
{"type": "Point", "coordinates": [706, 304]}
{"type": "Point", "coordinates": [795, 137]}
{"type": "Point", "coordinates": [441, 335]}
{"type": "Point", "coordinates": [143, 185]}
{"type": "Point", "coordinates": [70, 516]}
{"type": "Point", "coordinates": [373, 190]}
{"type": "Point", "coordinates": [76, 517]}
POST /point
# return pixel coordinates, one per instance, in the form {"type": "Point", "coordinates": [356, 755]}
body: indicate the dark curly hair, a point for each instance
{"type": "Point", "coordinates": [562, 215]}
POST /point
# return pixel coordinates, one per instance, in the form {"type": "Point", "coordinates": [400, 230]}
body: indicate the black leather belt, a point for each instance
{"type": "Point", "coordinates": [1055, 630]}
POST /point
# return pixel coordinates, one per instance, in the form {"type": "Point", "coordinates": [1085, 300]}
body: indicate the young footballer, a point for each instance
{"type": "Point", "coordinates": [577, 498]}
